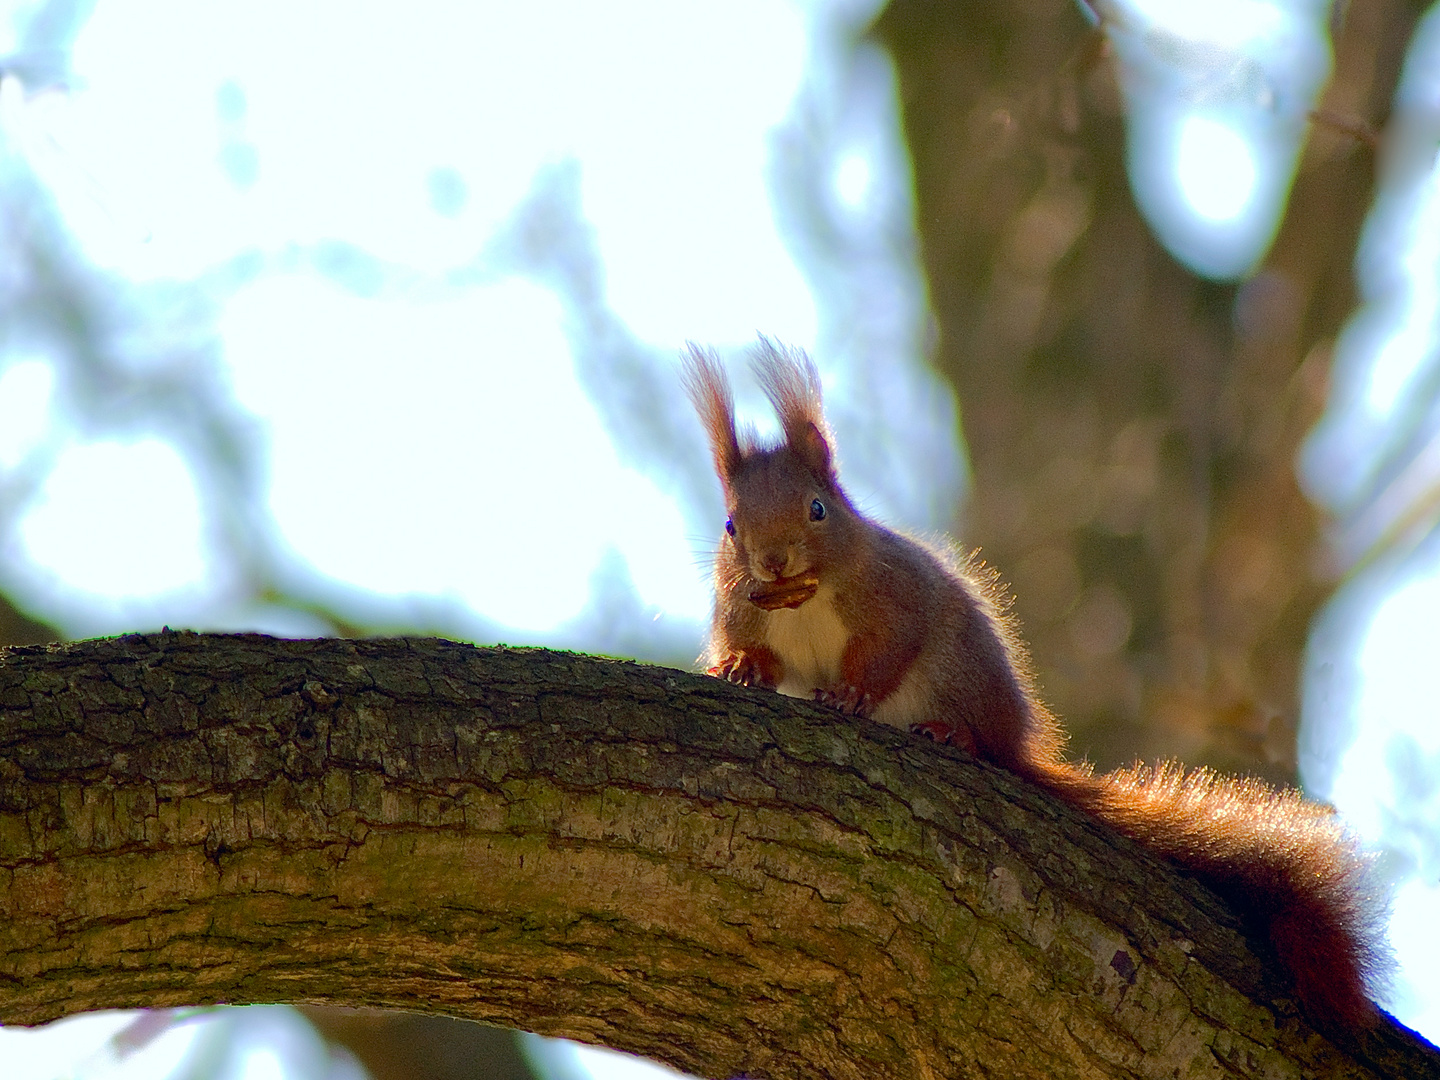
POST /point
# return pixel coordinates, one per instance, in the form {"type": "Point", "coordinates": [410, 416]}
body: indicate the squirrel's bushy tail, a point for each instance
{"type": "Point", "coordinates": [1284, 863]}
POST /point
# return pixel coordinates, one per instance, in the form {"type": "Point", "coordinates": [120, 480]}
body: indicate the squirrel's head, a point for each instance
{"type": "Point", "coordinates": [788, 515]}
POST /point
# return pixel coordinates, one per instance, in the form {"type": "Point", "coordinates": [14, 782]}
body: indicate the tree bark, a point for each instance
{"type": "Point", "coordinates": [727, 880]}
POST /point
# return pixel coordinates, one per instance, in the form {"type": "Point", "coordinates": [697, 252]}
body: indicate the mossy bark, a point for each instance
{"type": "Point", "coordinates": [727, 880]}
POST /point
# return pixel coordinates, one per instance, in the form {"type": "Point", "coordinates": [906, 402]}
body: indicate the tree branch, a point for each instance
{"type": "Point", "coordinates": [723, 879]}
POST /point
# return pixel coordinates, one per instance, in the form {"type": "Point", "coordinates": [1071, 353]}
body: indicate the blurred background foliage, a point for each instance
{"type": "Point", "coordinates": [918, 191]}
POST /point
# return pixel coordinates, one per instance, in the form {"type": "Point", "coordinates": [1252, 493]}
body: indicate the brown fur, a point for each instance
{"type": "Point", "coordinates": [913, 637]}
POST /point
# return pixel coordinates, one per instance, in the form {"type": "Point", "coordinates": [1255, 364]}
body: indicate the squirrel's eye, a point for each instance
{"type": "Point", "coordinates": [730, 526]}
{"type": "Point", "coordinates": [817, 510]}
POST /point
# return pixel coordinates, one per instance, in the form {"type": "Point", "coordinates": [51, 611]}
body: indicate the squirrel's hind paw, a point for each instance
{"type": "Point", "coordinates": [945, 733]}
{"type": "Point", "coordinates": [846, 699]}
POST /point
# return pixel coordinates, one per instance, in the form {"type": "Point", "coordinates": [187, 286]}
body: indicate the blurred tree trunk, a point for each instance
{"type": "Point", "coordinates": [19, 629]}
{"type": "Point", "coordinates": [727, 880]}
{"type": "Point", "coordinates": [1132, 428]}
{"type": "Point", "coordinates": [410, 1046]}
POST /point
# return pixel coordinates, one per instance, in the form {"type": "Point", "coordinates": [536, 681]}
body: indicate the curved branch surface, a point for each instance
{"type": "Point", "coordinates": [726, 880]}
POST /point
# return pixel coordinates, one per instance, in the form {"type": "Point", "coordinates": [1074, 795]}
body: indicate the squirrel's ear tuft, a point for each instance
{"type": "Point", "coordinates": [792, 384]}
{"type": "Point", "coordinates": [709, 390]}
{"type": "Point", "coordinates": [813, 447]}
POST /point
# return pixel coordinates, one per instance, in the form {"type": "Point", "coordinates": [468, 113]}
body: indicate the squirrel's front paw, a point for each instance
{"type": "Point", "coordinates": [846, 699]}
{"type": "Point", "coordinates": [742, 668]}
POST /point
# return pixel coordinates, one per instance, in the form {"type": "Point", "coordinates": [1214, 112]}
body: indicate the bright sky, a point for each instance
{"type": "Point", "coordinates": [1371, 730]}
{"type": "Point", "coordinates": [82, 1046]}
{"type": "Point", "coordinates": [257, 1043]}
{"type": "Point", "coordinates": [1217, 101]}
{"type": "Point", "coordinates": [462, 424]}
{"type": "Point", "coordinates": [425, 437]}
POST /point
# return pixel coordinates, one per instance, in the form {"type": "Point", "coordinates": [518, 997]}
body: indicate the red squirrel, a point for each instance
{"type": "Point", "coordinates": [814, 599]}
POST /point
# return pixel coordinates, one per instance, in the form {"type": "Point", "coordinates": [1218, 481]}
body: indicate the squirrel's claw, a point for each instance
{"type": "Point", "coordinates": [739, 667]}
{"type": "Point", "coordinates": [846, 699]}
{"type": "Point", "coordinates": [944, 733]}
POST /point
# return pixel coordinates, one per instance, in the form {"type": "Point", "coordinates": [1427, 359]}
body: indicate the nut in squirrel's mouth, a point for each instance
{"type": "Point", "coordinates": [788, 592]}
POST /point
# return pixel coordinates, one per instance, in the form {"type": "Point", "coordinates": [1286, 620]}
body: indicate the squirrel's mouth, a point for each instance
{"type": "Point", "coordinates": [788, 592]}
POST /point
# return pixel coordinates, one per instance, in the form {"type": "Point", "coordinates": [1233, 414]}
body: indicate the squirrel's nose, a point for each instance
{"type": "Point", "coordinates": [774, 562]}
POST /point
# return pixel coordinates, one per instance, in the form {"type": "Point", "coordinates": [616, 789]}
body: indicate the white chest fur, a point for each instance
{"type": "Point", "coordinates": [810, 642]}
